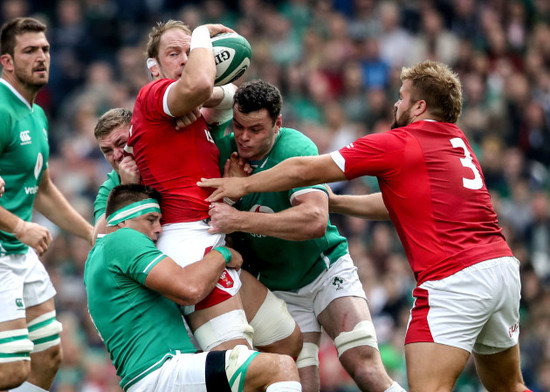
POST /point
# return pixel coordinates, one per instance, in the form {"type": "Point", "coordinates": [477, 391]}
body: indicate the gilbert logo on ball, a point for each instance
{"type": "Point", "coordinates": [232, 54]}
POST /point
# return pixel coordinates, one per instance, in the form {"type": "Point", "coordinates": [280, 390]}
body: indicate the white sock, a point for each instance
{"type": "Point", "coordinates": [28, 387]}
{"type": "Point", "coordinates": [395, 387]}
{"type": "Point", "coordinates": [285, 386]}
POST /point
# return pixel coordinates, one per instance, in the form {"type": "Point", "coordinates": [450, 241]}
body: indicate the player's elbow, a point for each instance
{"type": "Point", "coordinates": [191, 294]}
{"type": "Point", "coordinates": [196, 90]}
{"type": "Point", "coordinates": [202, 87]}
{"type": "Point", "coordinates": [315, 225]}
{"type": "Point", "coordinates": [317, 228]}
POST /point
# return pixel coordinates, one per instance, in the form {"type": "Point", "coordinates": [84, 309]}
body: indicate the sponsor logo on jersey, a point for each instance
{"type": "Point", "coordinates": [349, 145]}
{"type": "Point", "coordinates": [25, 137]}
{"type": "Point", "coordinates": [19, 303]}
{"type": "Point", "coordinates": [338, 283]}
{"type": "Point", "coordinates": [31, 190]}
{"type": "Point", "coordinates": [262, 209]}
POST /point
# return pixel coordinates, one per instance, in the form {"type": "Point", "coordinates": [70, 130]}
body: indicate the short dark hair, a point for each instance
{"type": "Point", "coordinates": [256, 95]}
{"type": "Point", "coordinates": [110, 120]}
{"type": "Point", "coordinates": [123, 195]}
{"type": "Point", "coordinates": [15, 27]}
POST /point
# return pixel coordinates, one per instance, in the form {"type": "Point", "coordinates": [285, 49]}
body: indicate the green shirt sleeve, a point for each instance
{"type": "Point", "coordinates": [100, 202]}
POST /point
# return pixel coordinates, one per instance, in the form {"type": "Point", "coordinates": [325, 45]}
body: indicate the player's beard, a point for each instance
{"type": "Point", "coordinates": [31, 81]}
{"type": "Point", "coordinates": [403, 120]}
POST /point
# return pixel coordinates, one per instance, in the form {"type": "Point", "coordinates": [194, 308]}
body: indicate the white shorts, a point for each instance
{"type": "Point", "coordinates": [476, 309]}
{"type": "Point", "coordinates": [24, 282]}
{"type": "Point", "coordinates": [180, 370]}
{"type": "Point", "coordinates": [187, 243]}
{"type": "Point", "coordinates": [305, 304]}
{"type": "Point", "coordinates": [219, 371]}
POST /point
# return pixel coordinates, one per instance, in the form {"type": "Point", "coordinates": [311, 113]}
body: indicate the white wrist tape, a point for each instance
{"type": "Point", "coordinates": [228, 93]}
{"type": "Point", "coordinates": [201, 38]}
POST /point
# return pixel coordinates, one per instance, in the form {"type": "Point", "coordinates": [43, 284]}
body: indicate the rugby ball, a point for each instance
{"type": "Point", "coordinates": [232, 54]}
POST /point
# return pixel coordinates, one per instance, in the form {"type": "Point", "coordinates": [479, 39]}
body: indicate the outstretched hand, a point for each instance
{"type": "Point", "coordinates": [231, 187]}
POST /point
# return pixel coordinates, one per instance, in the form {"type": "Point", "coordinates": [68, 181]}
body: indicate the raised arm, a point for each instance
{"type": "Point", "coordinates": [196, 83]}
{"type": "Point", "coordinates": [54, 206]}
{"type": "Point", "coordinates": [291, 173]}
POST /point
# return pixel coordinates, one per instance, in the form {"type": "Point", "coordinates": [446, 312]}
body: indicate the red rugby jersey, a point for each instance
{"type": "Point", "coordinates": [172, 161]}
{"type": "Point", "coordinates": [433, 187]}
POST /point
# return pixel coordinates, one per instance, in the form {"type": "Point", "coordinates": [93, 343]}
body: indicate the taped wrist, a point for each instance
{"type": "Point", "coordinates": [18, 230]}
{"type": "Point", "coordinates": [226, 253]}
{"type": "Point", "coordinates": [200, 38]}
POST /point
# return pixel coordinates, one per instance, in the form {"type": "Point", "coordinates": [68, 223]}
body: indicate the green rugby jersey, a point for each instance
{"type": "Point", "coordinates": [283, 264]}
{"type": "Point", "coordinates": [23, 158]}
{"type": "Point", "coordinates": [100, 203]}
{"type": "Point", "coordinates": [140, 327]}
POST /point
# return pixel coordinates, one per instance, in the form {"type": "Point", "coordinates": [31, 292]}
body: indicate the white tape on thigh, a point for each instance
{"type": "Point", "coordinates": [228, 326]}
{"type": "Point", "coordinates": [272, 321]}
{"type": "Point", "coordinates": [309, 356]}
{"type": "Point", "coordinates": [15, 345]}
{"type": "Point", "coordinates": [362, 335]}
{"type": "Point", "coordinates": [44, 331]}
{"type": "Point", "coordinates": [236, 365]}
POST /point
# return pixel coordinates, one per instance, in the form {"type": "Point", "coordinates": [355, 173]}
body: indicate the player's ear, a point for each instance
{"type": "Point", "coordinates": [153, 67]}
{"type": "Point", "coordinates": [420, 107]}
{"type": "Point", "coordinates": [278, 123]}
{"type": "Point", "coordinates": [7, 61]}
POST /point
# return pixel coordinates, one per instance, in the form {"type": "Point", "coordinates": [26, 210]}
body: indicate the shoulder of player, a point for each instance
{"type": "Point", "coordinates": [292, 142]}
{"type": "Point", "coordinates": [154, 85]}
{"type": "Point", "coordinates": [126, 238]}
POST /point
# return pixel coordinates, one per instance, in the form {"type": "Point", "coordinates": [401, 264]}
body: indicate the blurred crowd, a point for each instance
{"type": "Point", "coordinates": [337, 63]}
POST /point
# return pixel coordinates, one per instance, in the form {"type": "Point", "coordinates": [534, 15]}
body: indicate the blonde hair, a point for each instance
{"type": "Point", "coordinates": [439, 86]}
{"type": "Point", "coordinates": [112, 119]}
{"type": "Point", "coordinates": [153, 43]}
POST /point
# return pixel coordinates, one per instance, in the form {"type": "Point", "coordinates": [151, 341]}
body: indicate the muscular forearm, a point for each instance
{"type": "Point", "coordinates": [365, 206]}
{"type": "Point", "coordinates": [291, 173]}
{"type": "Point", "coordinates": [285, 226]}
{"type": "Point", "coordinates": [8, 220]}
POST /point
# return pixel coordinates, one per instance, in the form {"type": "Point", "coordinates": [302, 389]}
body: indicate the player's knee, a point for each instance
{"type": "Point", "coordinates": [309, 356]}
{"type": "Point", "coordinates": [15, 349]}
{"type": "Point", "coordinates": [287, 378]}
{"type": "Point", "coordinates": [224, 328]}
{"type": "Point", "coordinates": [44, 333]}
{"type": "Point", "coordinates": [13, 374]}
{"type": "Point", "coordinates": [51, 358]}
{"type": "Point", "coordinates": [272, 321]}
{"type": "Point", "coordinates": [363, 334]}
{"type": "Point", "coordinates": [274, 326]}
{"type": "Point", "coordinates": [287, 368]}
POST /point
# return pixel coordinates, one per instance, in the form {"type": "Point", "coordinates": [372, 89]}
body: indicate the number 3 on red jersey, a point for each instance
{"type": "Point", "coordinates": [476, 182]}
